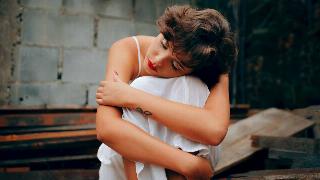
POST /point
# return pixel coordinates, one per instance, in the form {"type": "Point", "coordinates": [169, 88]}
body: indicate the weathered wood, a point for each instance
{"type": "Point", "coordinates": [312, 113]}
{"type": "Point", "coordinates": [46, 119]}
{"type": "Point", "coordinates": [285, 154]}
{"type": "Point", "coordinates": [25, 130]}
{"type": "Point", "coordinates": [312, 173]}
{"type": "Point", "coordinates": [12, 109]}
{"type": "Point", "coordinates": [78, 174]}
{"type": "Point", "coordinates": [15, 169]}
{"type": "Point", "coordinates": [287, 143]}
{"type": "Point", "coordinates": [236, 146]}
{"type": "Point", "coordinates": [19, 162]}
{"type": "Point", "coordinates": [34, 136]}
{"type": "Point", "coordinates": [48, 143]}
{"type": "Point", "coordinates": [295, 159]}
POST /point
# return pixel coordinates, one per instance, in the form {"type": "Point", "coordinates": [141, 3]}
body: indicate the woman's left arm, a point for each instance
{"type": "Point", "coordinates": [206, 125]}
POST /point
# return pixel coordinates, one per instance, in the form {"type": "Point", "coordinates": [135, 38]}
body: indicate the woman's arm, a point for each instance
{"type": "Point", "coordinates": [206, 125]}
{"type": "Point", "coordinates": [130, 141]}
{"type": "Point", "coordinates": [134, 144]}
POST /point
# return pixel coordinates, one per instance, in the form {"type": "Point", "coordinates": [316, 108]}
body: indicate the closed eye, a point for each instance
{"type": "Point", "coordinates": [175, 66]}
{"type": "Point", "coordinates": [164, 43]}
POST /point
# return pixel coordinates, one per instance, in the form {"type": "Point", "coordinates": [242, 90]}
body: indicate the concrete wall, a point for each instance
{"type": "Point", "coordinates": [54, 52]}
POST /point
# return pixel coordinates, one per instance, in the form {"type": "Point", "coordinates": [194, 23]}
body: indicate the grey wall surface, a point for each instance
{"type": "Point", "coordinates": [54, 52]}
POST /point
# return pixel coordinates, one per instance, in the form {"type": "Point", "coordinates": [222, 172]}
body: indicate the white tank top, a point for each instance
{"type": "Point", "coordinates": [139, 60]}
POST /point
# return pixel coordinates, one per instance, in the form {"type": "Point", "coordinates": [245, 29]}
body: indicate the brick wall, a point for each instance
{"type": "Point", "coordinates": [54, 52]}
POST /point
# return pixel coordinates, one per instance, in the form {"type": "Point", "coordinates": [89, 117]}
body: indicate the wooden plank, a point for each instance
{"type": "Point", "coordinates": [18, 109]}
{"type": "Point", "coordinates": [287, 143]}
{"type": "Point", "coordinates": [20, 162]}
{"type": "Point", "coordinates": [295, 159]}
{"type": "Point", "coordinates": [75, 174]}
{"type": "Point", "coordinates": [49, 143]}
{"type": "Point", "coordinates": [47, 135]}
{"type": "Point", "coordinates": [312, 113]}
{"type": "Point", "coordinates": [236, 146]}
{"type": "Point", "coordinates": [46, 119]}
{"type": "Point", "coordinates": [25, 130]}
{"type": "Point", "coordinates": [15, 169]}
{"type": "Point", "coordinates": [285, 154]}
{"type": "Point", "coordinates": [305, 173]}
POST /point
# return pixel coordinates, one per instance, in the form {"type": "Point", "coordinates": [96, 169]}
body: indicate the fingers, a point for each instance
{"type": "Point", "coordinates": [99, 95]}
{"type": "Point", "coordinates": [99, 101]}
{"type": "Point", "coordinates": [99, 98]}
{"type": "Point", "coordinates": [102, 83]}
{"type": "Point", "coordinates": [100, 89]}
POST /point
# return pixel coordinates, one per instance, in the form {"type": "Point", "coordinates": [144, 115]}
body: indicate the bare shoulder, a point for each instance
{"type": "Point", "coordinates": [126, 45]}
{"type": "Point", "coordinates": [129, 44]}
{"type": "Point", "coordinates": [122, 57]}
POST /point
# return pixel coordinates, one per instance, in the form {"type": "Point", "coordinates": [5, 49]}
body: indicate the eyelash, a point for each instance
{"type": "Point", "coordinates": [164, 46]}
{"type": "Point", "coordinates": [174, 67]}
{"type": "Point", "coordinates": [172, 63]}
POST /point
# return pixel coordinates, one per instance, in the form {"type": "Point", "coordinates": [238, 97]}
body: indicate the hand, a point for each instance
{"type": "Point", "coordinates": [200, 170]}
{"type": "Point", "coordinates": [113, 93]}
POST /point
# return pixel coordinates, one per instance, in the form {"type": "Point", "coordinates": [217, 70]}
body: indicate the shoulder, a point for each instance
{"type": "Point", "coordinates": [123, 57]}
{"type": "Point", "coordinates": [128, 48]}
{"type": "Point", "coordinates": [126, 44]}
{"type": "Point", "coordinates": [129, 44]}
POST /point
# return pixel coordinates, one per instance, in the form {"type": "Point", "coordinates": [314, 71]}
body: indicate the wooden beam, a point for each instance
{"type": "Point", "coordinates": [12, 109]}
{"type": "Point", "coordinates": [19, 162]}
{"type": "Point", "coordinates": [25, 130]}
{"type": "Point", "coordinates": [306, 145]}
{"type": "Point", "coordinates": [236, 146]}
{"type": "Point", "coordinates": [46, 135]}
{"type": "Point", "coordinates": [295, 159]}
{"type": "Point", "coordinates": [46, 119]}
{"type": "Point", "coordinates": [49, 143]}
{"type": "Point", "coordinates": [76, 174]}
{"type": "Point", "coordinates": [306, 173]}
{"type": "Point", "coordinates": [285, 154]}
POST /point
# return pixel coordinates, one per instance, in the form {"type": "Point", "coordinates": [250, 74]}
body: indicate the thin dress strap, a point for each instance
{"type": "Point", "coordinates": [139, 60]}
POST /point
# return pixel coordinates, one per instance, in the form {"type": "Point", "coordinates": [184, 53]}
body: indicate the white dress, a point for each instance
{"type": "Point", "coordinates": [184, 89]}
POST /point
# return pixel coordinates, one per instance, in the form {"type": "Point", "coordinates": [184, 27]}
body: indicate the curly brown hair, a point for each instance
{"type": "Point", "coordinates": [205, 36]}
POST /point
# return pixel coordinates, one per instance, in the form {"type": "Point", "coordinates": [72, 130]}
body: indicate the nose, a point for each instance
{"type": "Point", "coordinates": [160, 59]}
{"type": "Point", "coordinates": [158, 62]}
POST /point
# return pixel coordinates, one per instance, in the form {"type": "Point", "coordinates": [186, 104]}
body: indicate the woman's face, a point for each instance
{"type": "Point", "coordinates": [161, 62]}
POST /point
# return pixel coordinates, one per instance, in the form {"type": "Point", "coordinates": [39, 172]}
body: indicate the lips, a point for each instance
{"type": "Point", "coordinates": [151, 66]}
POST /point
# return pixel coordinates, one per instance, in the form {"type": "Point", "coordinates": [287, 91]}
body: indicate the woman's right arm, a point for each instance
{"type": "Point", "coordinates": [129, 140]}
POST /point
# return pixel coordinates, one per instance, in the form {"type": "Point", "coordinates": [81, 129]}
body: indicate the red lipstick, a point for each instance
{"type": "Point", "coordinates": [151, 66]}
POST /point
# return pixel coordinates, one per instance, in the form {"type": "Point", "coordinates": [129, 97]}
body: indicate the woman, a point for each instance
{"type": "Point", "coordinates": [195, 42]}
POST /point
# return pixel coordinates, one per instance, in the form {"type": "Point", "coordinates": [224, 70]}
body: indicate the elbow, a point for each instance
{"type": "Point", "coordinates": [102, 136]}
{"type": "Point", "coordinates": [107, 125]}
{"type": "Point", "coordinates": [216, 136]}
{"type": "Point", "coordinates": [105, 133]}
